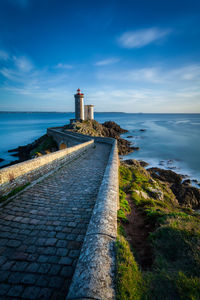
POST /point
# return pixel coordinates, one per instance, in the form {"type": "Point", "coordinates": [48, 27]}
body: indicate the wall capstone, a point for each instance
{"type": "Point", "coordinates": [27, 171]}
{"type": "Point", "coordinates": [95, 270]}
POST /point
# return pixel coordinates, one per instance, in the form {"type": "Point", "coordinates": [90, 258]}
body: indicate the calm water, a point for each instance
{"type": "Point", "coordinates": [169, 140]}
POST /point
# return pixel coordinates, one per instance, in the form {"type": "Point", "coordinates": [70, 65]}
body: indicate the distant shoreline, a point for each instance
{"type": "Point", "coordinates": [97, 112]}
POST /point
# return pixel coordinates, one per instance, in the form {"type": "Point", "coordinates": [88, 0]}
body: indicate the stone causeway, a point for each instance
{"type": "Point", "coordinates": [42, 230]}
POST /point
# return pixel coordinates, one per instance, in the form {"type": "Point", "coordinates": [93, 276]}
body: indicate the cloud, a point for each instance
{"type": "Point", "coordinates": [23, 63]}
{"type": "Point", "coordinates": [147, 100]}
{"type": "Point", "coordinates": [150, 89]}
{"type": "Point", "coordinates": [189, 74]}
{"type": "Point", "coordinates": [21, 78]}
{"type": "Point", "coordinates": [142, 37]}
{"type": "Point", "coordinates": [63, 66]}
{"type": "Point", "coordinates": [18, 70]}
{"type": "Point", "coordinates": [105, 62]}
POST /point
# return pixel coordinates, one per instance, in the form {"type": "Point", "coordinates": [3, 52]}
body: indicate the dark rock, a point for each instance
{"type": "Point", "coordinates": [142, 129]}
{"type": "Point", "coordinates": [186, 182]}
{"type": "Point", "coordinates": [1, 159]}
{"type": "Point", "coordinates": [195, 181]}
{"type": "Point", "coordinates": [115, 126]}
{"type": "Point", "coordinates": [15, 154]}
{"type": "Point", "coordinates": [186, 195]}
{"type": "Point", "coordinates": [184, 176]}
{"type": "Point", "coordinates": [171, 168]}
{"type": "Point", "coordinates": [143, 163]}
{"type": "Point", "coordinates": [136, 163]}
{"type": "Point", "coordinates": [165, 175]}
{"type": "Point", "coordinates": [129, 137]}
{"type": "Point", "coordinates": [132, 162]}
{"type": "Point", "coordinates": [135, 148]}
{"type": "Point", "coordinates": [124, 146]}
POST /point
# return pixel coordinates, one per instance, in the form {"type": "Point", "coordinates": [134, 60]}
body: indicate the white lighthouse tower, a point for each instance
{"type": "Point", "coordinates": [79, 105]}
{"type": "Point", "coordinates": [89, 112]}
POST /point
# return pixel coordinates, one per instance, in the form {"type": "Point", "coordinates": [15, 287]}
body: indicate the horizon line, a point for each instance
{"type": "Point", "coordinates": [97, 112]}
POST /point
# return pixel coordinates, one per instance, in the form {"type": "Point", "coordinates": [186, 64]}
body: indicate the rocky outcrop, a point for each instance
{"type": "Point", "coordinates": [186, 194]}
{"type": "Point", "coordinates": [107, 129]}
{"type": "Point", "coordinates": [114, 126]}
{"type": "Point", "coordinates": [136, 163]}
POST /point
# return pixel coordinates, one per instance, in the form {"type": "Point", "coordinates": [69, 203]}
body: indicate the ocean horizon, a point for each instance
{"type": "Point", "coordinates": [169, 140]}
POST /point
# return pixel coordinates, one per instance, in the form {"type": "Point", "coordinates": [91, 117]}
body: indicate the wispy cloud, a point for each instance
{"type": "Point", "coordinates": [23, 63]}
{"type": "Point", "coordinates": [21, 76]}
{"type": "Point", "coordinates": [142, 37]}
{"type": "Point", "coordinates": [63, 66]}
{"type": "Point", "coordinates": [150, 89]}
{"type": "Point", "coordinates": [146, 99]}
{"type": "Point", "coordinates": [189, 74]}
{"type": "Point", "coordinates": [105, 62]}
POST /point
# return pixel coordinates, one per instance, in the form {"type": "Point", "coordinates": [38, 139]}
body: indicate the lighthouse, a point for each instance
{"type": "Point", "coordinates": [79, 105]}
{"type": "Point", "coordinates": [82, 112]}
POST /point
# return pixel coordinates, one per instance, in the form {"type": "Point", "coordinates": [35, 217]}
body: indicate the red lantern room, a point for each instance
{"type": "Point", "coordinates": [79, 92]}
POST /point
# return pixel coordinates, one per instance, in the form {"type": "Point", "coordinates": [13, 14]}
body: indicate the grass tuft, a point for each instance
{"type": "Point", "coordinates": [129, 277]}
{"type": "Point", "coordinates": [13, 192]}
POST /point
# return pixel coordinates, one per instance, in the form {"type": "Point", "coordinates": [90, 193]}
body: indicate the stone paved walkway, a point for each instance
{"type": "Point", "coordinates": [42, 230]}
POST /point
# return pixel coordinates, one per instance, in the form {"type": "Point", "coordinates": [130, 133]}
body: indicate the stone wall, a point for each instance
{"type": "Point", "coordinates": [85, 137]}
{"type": "Point", "coordinates": [69, 138]}
{"type": "Point", "coordinates": [94, 277]}
{"type": "Point", "coordinates": [24, 172]}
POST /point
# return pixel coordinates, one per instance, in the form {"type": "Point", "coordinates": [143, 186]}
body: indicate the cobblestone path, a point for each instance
{"type": "Point", "coordinates": [42, 230]}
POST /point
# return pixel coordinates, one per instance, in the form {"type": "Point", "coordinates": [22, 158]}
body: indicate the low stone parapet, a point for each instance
{"type": "Point", "coordinates": [94, 276]}
{"type": "Point", "coordinates": [69, 138]}
{"type": "Point", "coordinates": [24, 172]}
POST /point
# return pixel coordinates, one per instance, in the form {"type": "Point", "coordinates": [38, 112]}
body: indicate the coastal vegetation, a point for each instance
{"type": "Point", "coordinates": [158, 242]}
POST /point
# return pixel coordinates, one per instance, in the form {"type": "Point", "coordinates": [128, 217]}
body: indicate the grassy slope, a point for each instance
{"type": "Point", "coordinates": [175, 273]}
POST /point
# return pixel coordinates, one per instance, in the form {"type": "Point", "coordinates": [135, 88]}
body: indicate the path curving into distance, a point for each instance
{"type": "Point", "coordinates": [42, 230]}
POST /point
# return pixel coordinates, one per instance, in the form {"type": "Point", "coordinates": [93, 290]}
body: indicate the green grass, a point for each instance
{"type": "Point", "coordinates": [129, 277]}
{"type": "Point", "coordinates": [124, 207]}
{"type": "Point", "coordinates": [14, 192]}
{"type": "Point", "coordinates": [188, 287]}
{"type": "Point", "coordinates": [175, 273]}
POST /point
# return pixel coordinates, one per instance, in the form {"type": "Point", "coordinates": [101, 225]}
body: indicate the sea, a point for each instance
{"type": "Point", "coordinates": [169, 141]}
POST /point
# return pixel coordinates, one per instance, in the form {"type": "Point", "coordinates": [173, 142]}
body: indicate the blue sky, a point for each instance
{"type": "Point", "coordinates": [131, 56]}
